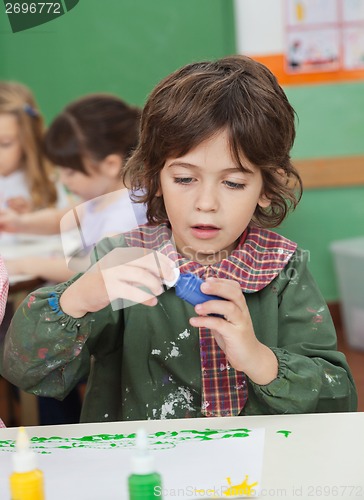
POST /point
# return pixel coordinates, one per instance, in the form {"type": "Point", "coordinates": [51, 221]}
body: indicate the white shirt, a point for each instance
{"type": "Point", "coordinates": [85, 225]}
{"type": "Point", "coordinates": [14, 185]}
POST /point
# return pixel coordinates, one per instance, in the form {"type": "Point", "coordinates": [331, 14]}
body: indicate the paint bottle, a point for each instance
{"type": "Point", "coordinates": [144, 482]}
{"type": "Point", "coordinates": [187, 287]}
{"type": "Point", "coordinates": [26, 482]}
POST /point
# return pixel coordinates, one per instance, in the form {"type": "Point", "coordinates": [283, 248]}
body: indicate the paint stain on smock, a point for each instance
{"type": "Point", "coordinates": [173, 352]}
{"type": "Point", "coordinates": [181, 398]}
{"type": "Point", "coordinates": [184, 335]}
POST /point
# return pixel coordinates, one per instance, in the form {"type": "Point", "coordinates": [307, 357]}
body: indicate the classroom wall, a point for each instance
{"type": "Point", "coordinates": [119, 46]}
{"type": "Point", "coordinates": [330, 124]}
{"type": "Point", "coordinates": [259, 26]}
{"type": "Point", "coordinates": [126, 47]}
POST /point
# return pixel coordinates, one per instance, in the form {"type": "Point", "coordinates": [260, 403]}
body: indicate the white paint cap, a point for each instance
{"type": "Point", "coordinates": [142, 461]}
{"type": "Point", "coordinates": [24, 459]}
{"type": "Point", "coordinates": [174, 281]}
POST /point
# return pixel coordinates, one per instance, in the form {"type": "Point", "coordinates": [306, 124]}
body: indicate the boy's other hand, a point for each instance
{"type": "Point", "coordinates": [124, 273]}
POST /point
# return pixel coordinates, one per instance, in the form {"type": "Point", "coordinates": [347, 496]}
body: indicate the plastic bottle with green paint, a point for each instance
{"type": "Point", "coordinates": [144, 483]}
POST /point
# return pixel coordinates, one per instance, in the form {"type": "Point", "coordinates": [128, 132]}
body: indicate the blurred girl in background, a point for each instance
{"type": "Point", "coordinates": [90, 140]}
{"type": "Point", "coordinates": [4, 287]}
{"type": "Point", "coordinates": [27, 178]}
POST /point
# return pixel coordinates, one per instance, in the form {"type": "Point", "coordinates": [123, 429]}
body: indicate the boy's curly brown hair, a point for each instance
{"type": "Point", "coordinates": [236, 94]}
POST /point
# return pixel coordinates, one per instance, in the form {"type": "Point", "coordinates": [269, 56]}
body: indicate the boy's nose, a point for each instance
{"type": "Point", "coordinates": [207, 200]}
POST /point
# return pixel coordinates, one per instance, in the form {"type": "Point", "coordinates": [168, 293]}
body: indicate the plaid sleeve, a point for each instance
{"type": "Point", "coordinates": [4, 287]}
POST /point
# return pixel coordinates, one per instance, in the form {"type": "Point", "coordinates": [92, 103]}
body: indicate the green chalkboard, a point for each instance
{"type": "Point", "coordinates": [331, 124]}
{"type": "Point", "coordinates": [331, 119]}
{"type": "Point", "coordinates": [119, 46]}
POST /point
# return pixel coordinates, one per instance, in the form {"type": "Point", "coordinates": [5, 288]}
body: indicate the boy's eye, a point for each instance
{"type": "Point", "coordinates": [183, 180]}
{"type": "Point", "coordinates": [234, 185]}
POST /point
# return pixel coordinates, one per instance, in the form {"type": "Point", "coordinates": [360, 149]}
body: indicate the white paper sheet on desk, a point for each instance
{"type": "Point", "coordinates": [193, 464]}
{"type": "Point", "coordinates": [19, 278]}
{"type": "Point", "coordinates": [26, 245]}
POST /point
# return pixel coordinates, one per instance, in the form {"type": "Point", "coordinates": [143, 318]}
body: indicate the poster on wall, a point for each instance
{"type": "Point", "coordinates": [324, 35]}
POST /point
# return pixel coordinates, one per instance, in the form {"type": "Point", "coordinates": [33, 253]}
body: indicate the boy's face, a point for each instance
{"type": "Point", "coordinates": [11, 152]}
{"type": "Point", "coordinates": [208, 200]}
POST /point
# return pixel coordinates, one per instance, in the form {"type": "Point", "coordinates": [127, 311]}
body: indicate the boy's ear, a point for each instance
{"type": "Point", "coordinates": [281, 178]}
{"type": "Point", "coordinates": [264, 201]}
{"type": "Point", "coordinates": [111, 165]}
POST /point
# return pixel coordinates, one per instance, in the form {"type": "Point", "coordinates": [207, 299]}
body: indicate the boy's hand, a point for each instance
{"type": "Point", "coordinates": [234, 332]}
{"type": "Point", "coordinates": [123, 273]}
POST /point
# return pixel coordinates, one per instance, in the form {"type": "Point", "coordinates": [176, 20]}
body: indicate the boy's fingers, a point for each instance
{"type": "Point", "coordinates": [227, 310]}
{"type": "Point", "coordinates": [150, 260]}
{"type": "Point", "coordinates": [131, 293]}
{"type": "Point", "coordinates": [226, 289]}
{"type": "Point", "coordinates": [165, 266]}
{"type": "Point", "coordinates": [135, 276]}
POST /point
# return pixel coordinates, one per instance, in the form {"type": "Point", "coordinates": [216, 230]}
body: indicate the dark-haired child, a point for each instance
{"type": "Point", "coordinates": [90, 141]}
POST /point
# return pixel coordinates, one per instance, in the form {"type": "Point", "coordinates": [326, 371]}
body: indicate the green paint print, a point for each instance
{"type": "Point", "coordinates": [159, 440]}
{"type": "Point", "coordinates": [285, 433]}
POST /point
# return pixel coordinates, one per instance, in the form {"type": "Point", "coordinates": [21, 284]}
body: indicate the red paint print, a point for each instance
{"type": "Point", "coordinates": [317, 318]}
{"type": "Point", "coordinates": [31, 300]}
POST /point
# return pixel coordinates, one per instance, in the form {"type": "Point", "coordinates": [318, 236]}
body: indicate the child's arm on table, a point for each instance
{"type": "Point", "coordinates": [19, 204]}
{"type": "Point", "coordinates": [45, 221]}
{"type": "Point", "coordinates": [45, 349]}
{"type": "Point", "coordinates": [47, 268]}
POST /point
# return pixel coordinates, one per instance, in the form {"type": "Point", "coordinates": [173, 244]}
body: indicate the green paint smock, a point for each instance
{"type": "Point", "coordinates": [144, 362]}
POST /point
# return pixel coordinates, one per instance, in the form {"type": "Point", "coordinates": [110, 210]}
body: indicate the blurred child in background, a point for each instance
{"type": "Point", "coordinates": [27, 178]}
{"type": "Point", "coordinates": [4, 287]}
{"type": "Point", "coordinates": [90, 141]}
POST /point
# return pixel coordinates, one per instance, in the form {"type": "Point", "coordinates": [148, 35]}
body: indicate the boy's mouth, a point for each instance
{"type": "Point", "coordinates": [204, 231]}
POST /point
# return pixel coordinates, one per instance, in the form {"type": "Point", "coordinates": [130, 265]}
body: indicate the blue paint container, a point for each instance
{"type": "Point", "coordinates": [187, 287]}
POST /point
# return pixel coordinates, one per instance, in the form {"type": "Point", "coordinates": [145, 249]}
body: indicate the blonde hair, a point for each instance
{"type": "Point", "coordinates": [17, 99]}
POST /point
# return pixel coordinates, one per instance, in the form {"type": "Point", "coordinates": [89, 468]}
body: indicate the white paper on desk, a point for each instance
{"type": "Point", "coordinates": [193, 464]}
{"type": "Point", "coordinates": [213, 469]}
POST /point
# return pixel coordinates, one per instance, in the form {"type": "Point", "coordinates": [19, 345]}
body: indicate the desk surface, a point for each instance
{"type": "Point", "coordinates": [320, 456]}
{"type": "Point", "coordinates": [25, 246]}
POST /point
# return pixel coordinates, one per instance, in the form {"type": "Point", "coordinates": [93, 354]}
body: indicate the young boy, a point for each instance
{"type": "Point", "coordinates": [213, 161]}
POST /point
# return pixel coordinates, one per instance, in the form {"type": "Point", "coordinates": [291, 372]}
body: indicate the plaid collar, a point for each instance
{"type": "Point", "coordinates": [258, 258]}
